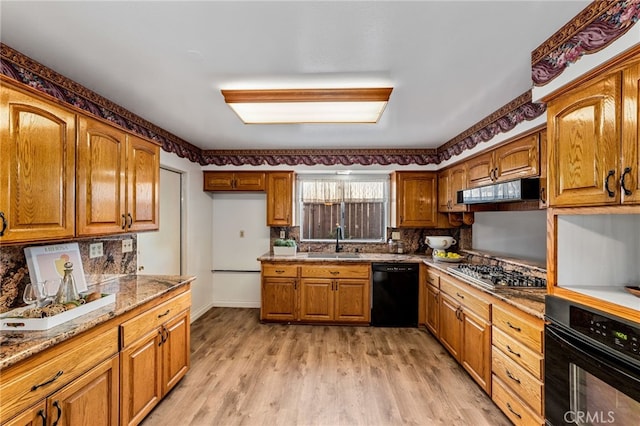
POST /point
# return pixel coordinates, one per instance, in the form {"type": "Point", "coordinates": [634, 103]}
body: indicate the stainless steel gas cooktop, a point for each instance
{"type": "Point", "coordinates": [493, 276]}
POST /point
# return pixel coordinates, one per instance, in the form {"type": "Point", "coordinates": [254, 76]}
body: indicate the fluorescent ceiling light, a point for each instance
{"type": "Point", "coordinates": [288, 106]}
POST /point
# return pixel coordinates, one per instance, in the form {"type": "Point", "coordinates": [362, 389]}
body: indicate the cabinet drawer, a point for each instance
{"type": "Point", "coordinates": [279, 270]}
{"type": "Point", "coordinates": [336, 271]}
{"type": "Point", "coordinates": [142, 324]}
{"type": "Point", "coordinates": [519, 327]}
{"type": "Point", "coordinates": [518, 352]}
{"type": "Point", "coordinates": [33, 379]}
{"type": "Point", "coordinates": [464, 296]}
{"type": "Point", "coordinates": [433, 278]}
{"type": "Point", "coordinates": [512, 406]}
{"type": "Point", "coordinates": [516, 378]}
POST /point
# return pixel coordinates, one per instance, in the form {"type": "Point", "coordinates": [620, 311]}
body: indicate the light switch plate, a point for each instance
{"type": "Point", "coordinates": [95, 250]}
{"type": "Point", "coordinates": [395, 235]}
{"type": "Point", "coordinates": [127, 246]}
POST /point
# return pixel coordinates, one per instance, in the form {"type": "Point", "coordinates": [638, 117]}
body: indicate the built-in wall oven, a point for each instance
{"type": "Point", "coordinates": [592, 366]}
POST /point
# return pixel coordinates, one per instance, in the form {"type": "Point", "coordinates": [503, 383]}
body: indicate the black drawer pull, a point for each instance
{"type": "Point", "coordinates": [165, 314]}
{"type": "Point", "coordinates": [606, 183]}
{"type": "Point", "coordinates": [626, 190]}
{"type": "Point", "coordinates": [57, 405]}
{"type": "Point", "coordinates": [43, 417]}
{"type": "Point", "coordinates": [56, 377]}
{"type": "Point", "coordinates": [518, 329]}
{"type": "Point", "coordinates": [511, 409]}
{"type": "Point", "coordinates": [279, 271]}
{"type": "Point", "coordinates": [459, 295]}
{"type": "Point", "coordinates": [512, 377]}
{"type": "Point", "coordinates": [512, 351]}
{"type": "Point", "coordinates": [334, 272]}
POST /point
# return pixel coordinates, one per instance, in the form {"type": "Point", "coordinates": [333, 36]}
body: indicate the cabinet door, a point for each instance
{"type": "Point", "coordinates": [457, 182]}
{"type": "Point", "coordinates": [249, 181]}
{"type": "Point", "coordinates": [475, 356]}
{"type": "Point", "coordinates": [218, 181]}
{"type": "Point", "coordinates": [480, 170]}
{"type": "Point", "coordinates": [175, 351]}
{"type": "Point", "coordinates": [34, 416]}
{"type": "Point", "coordinates": [518, 159]}
{"type": "Point", "coordinates": [433, 310]}
{"type": "Point", "coordinates": [583, 144]}
{"type": "Point", "coordinates": [279, 299]}
{"type": "Point", "coordinates": [443, 192]}
{"type": "Point", "coordinates": [352, 302]}
{"type": "Point", "coordinates": [417, 199]}
{"type": "Point", "coordinates": [630, 162]}
{"type": "Point", "coordinates": [101, 196]}
{"type": "Point", "coordinates": [143, 184]}
{"type": "Point", "coordinates": [140, 377]}
{"type": "Point", "coordinates": [279, 199]}
{"type": "Point", "coordinates": [544, 195]}
{"type": "Point", "coordinates": [37, 168]}
{"type": "Point", "coordinates": [450, 326]}
{"type": "Point", "coordinates": [92, 399]}
{"type": "Point", "coordinates": [316, 299]}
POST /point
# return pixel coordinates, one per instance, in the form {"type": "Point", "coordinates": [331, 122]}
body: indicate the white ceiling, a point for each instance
{"type": "Point", "coordinates": [451, 63]}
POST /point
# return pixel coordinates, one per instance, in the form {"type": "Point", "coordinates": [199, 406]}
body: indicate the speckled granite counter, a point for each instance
{"type": "Point", "coordinates": [528, 300]}
{"type": "Point", "coordinates": [131, 291]}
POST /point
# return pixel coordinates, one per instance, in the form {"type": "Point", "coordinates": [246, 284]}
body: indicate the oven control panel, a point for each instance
{"type": "Point", "coordinates": [614, 334]}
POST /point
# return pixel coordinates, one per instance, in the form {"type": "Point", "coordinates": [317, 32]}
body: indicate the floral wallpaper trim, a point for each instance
{"type": "Point", "coordinates": [324, 157]}
{"type": "Point", "coordinates": [501, 121]}
{"type": "Point", "coordinates": [19, 67]}
{"type": "Point", "coordinates": [597, 26]}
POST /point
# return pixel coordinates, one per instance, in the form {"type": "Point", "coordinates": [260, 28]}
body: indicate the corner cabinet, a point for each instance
{"type": "Point", "coordinates": [37, 168]}
{"type": "Point", "coordinates": [416, 198]}
{"type": "Point", "coordinates": [117, 180]}
{"type": "Point", "coordinates": [593, 131]}
{"type": "Point", "coordinates": [279, 198]}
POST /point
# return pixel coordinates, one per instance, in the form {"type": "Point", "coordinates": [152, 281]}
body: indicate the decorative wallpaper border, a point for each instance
{"type": "Point", "coordinates": [593, 29]}
{"type": "Point", "coordinates": [324, 157]}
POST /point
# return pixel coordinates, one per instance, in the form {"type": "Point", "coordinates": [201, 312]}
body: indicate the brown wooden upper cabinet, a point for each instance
{"type": "Point", "coordinates": [279, 198]}
{"type": "Point", "coordinates": [593, 132]}
{"type": "Point", "coordinates": [234, 181]}
{"type": "Point", "coordinates": [37, 168]}
{"type": "Point", "coordinates": [416, 199]}
{"type": "Point", "coordinates": [517, 159]}
{"type": "Point", "coordinates": [117, 180]}
{"type": "Point", "coordinates": [450, 181]}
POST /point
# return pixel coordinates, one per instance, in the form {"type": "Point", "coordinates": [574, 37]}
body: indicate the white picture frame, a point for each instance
{"type": "Point", "coordinates": [47, 263]}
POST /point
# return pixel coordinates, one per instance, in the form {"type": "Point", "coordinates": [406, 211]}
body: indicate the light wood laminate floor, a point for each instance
{"type": "Point", "coordinates": [247, 373]}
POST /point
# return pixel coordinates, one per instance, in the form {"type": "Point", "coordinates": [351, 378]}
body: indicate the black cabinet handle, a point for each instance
{"type": "Point", "coordinates": [606, 183]}
{"type": "Point", "coordinates": [43, 417]}
{"type": "Point", "coordinates": [543, 196]}
{"type": "Point", "coordinates": [4, 224]}
{"type": "Point", "coordinates": [514, 413]}
{"type": "Point", "coordinates": [512, 351]}
{"type": "Point", "coordinates": [165, 314]}
{"type": "Point", "coordinates": [513, 327]}
{"type": "Point", "coordinates": [57, 405]}
{"type": "Point", "coordinates": [459, 295]}
{"type": "Point", "coordinates": [130, 220]}
{"type": "Point", "coordinates": [512, 377]}
{"type": "Point", "coordinates": [124, 222]}
{"type": "Point", "coordinates": [56, 377]}
{"type": "Point", "coordinates": [626, 191]}
{"type": "Point", "coordinates": [161, 337]}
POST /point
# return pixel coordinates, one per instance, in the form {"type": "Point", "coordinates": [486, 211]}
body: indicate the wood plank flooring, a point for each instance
{"type": "Point", "coordinates": [247, 373]}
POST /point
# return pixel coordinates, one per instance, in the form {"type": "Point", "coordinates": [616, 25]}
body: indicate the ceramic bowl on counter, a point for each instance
{"type": "Point", "coordinates": [442, 242]}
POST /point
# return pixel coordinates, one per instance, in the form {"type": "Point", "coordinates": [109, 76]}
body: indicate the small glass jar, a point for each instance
{"type": "Point", "coordinates": [399, 247]}
{"type": "Point", "coordinates": [392, 246]}
{"type": "Point", "coordinates": [68, 290]}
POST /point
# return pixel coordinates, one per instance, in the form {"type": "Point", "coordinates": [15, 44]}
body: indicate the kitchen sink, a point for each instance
{"type": "Point", "coordinates": [322, 255]}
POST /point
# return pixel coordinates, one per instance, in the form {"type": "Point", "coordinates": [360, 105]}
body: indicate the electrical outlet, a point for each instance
{"type": "Point", "coordinates": [395, 235]}
{"type": "Point", "coordinates": [127, 246]}
{"type": "Point", "coordinates": [282, 234]}
{"type": "Point", "coordinates": [95, 250]}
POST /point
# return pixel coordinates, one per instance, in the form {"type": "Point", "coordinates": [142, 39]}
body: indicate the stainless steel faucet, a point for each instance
{"type": "Point", "coordinates": [339, 234]}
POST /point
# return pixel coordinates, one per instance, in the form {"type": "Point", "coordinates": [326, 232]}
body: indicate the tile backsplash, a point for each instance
{"type": "Point", "coordinates": [14, 274]}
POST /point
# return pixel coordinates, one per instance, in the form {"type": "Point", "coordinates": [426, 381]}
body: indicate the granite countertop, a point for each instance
{"type": "Point", "coordinates": [131, 291]}
{"type": "Point", "coordinates": [529, 300]}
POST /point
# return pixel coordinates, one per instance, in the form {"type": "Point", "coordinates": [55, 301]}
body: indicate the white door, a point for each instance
{"type": "Point", "coordinates": [160, 252]}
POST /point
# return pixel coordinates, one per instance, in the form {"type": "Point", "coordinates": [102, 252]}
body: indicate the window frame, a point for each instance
{"type": "Point", "coordinates": [385, 178]}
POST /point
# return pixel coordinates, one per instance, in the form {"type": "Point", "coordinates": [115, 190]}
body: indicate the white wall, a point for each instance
{"type": "Point", "coordinates": [197, 218]}
{"type": "Point", "coordinates": [517, 234]}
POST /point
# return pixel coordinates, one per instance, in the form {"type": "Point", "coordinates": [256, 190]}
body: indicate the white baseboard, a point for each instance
{"type": "Point", "coordinates": [236, 304]}
{"type": "Point", "coordinates": [197, 314]}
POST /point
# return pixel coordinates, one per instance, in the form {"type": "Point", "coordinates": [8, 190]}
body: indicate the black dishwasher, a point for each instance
{"type": "Point", "coordinates": [395, 295]}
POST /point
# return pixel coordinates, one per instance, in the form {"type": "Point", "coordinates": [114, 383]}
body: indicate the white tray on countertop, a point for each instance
{"type": "Point", "coordinates": [11, 320]}
{"type": "Point", "coordinates": [448, 259]}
